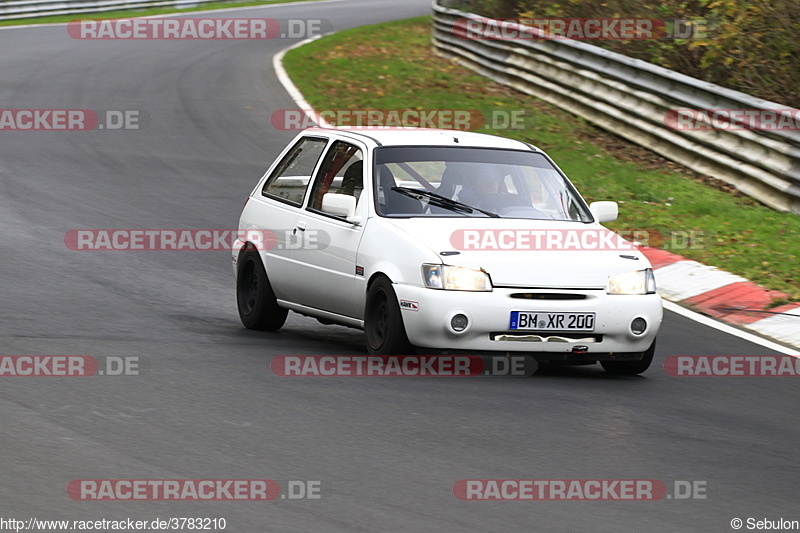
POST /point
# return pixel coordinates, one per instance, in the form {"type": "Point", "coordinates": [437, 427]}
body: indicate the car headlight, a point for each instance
{"type": "Point", "coordinates": [637, 282]}
{"type": "Point", "coordinates": [453, 278]}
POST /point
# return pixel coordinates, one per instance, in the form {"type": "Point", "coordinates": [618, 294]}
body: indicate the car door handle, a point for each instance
{"type": "Point", "coordinates": [299, 226]}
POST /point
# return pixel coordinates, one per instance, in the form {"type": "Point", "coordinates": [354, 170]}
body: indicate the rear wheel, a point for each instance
{"type": "Point", "coordinates": [383, 324]}
{"type": "Point", "coordinates": [631, 368]}
{"type": "Point", "coordinates": [258, 307]}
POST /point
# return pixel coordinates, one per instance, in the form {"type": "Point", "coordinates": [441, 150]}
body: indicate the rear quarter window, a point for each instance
{"type": "Point", "coordinates": [289, 181]}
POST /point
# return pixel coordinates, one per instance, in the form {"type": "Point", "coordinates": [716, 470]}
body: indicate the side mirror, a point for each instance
{"type": "Point", "coordinates": [604, 211]}
{"type": "Point", "coordinates": [342, 205]}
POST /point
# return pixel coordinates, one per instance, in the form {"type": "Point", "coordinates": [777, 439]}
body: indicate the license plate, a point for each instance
{"type": "Point", "coordinates": [546, 321]}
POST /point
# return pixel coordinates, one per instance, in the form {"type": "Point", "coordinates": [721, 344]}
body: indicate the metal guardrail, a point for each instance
{"type": "Point", "coordinates": [27, 9]}
{"type": "Point", "coordinates": [631, 98]}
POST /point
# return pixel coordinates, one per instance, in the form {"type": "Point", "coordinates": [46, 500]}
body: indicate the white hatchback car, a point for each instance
{"type": "Point", "coordinates": [443, 240]}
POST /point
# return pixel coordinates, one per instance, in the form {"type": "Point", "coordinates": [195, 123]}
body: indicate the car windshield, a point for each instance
{"type": "Point", "coordinates": [417, 181]}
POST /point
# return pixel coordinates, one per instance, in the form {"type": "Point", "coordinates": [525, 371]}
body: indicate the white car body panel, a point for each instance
{"type": "Point", "coordinates": [525, 268]}
{"type": "Point", "coordinates": [326, 278]}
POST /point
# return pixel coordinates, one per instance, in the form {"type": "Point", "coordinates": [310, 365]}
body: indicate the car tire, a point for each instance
{"type": "Point", "coordinates": [631, 368]}
{"type": "Point", "coordinates": [383, 323]}
{"type": "Point", "coordinates": [258, 307]}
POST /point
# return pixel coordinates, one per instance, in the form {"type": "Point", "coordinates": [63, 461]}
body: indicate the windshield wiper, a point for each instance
{"type": "Point", "coordinates": [442, 201]}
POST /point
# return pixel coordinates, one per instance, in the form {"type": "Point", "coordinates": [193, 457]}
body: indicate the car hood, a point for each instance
{"type": "Point", "coordinates": [528, 253]}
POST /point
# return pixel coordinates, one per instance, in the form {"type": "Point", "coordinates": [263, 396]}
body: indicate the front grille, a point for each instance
{"type": "Point", "coordinates": [547, 296]}
{"type": "Point", "coordinates": [546, 337]}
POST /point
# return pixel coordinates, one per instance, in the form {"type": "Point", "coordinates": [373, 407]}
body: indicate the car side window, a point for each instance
{"type": "Point", "coordinates": [290, 178]}
{"type": "Point", "coordinates": [341, 172]}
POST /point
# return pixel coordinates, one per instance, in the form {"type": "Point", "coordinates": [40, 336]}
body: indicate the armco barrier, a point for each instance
{"type": "Point", "coordinates": [24, 9]}
{"type": "Point", "coordinates": [631, 98]}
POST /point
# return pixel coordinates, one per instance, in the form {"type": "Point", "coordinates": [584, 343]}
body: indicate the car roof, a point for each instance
{"type": "Point", "coordinates": [428, 137]}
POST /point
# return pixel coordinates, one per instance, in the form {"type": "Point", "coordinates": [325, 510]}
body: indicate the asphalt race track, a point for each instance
{"type": "Point", "coordinates": [387, 452]}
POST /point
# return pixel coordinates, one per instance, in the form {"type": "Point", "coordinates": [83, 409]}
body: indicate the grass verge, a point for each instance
{"type": "Point", "coordinates": [130, 13]}
{"type": "Point", "coordinates": [392, 66]}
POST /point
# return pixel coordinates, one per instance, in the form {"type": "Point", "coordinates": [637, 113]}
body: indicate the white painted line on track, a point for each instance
{"type": "Point", "coordinates": [784, 327]}
{"type": "Point", "coordinates": [725, 328]}
{"type": "Point", "coordinates": [291, 88]}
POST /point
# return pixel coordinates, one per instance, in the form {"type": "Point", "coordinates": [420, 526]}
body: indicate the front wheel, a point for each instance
{"type": "Point", "coordinates": [258, 307]}
{"type": "Point", "coordinates": [631, 368]}
{"type": "Point", "coordinates": [383, 324]}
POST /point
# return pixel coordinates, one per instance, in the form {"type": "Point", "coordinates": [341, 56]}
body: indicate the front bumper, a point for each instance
{"type": "Point", "coordinates": [427, 313]}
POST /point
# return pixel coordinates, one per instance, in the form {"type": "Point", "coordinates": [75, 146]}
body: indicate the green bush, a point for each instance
{"type": "Point", "coordinates": [749, 46]}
